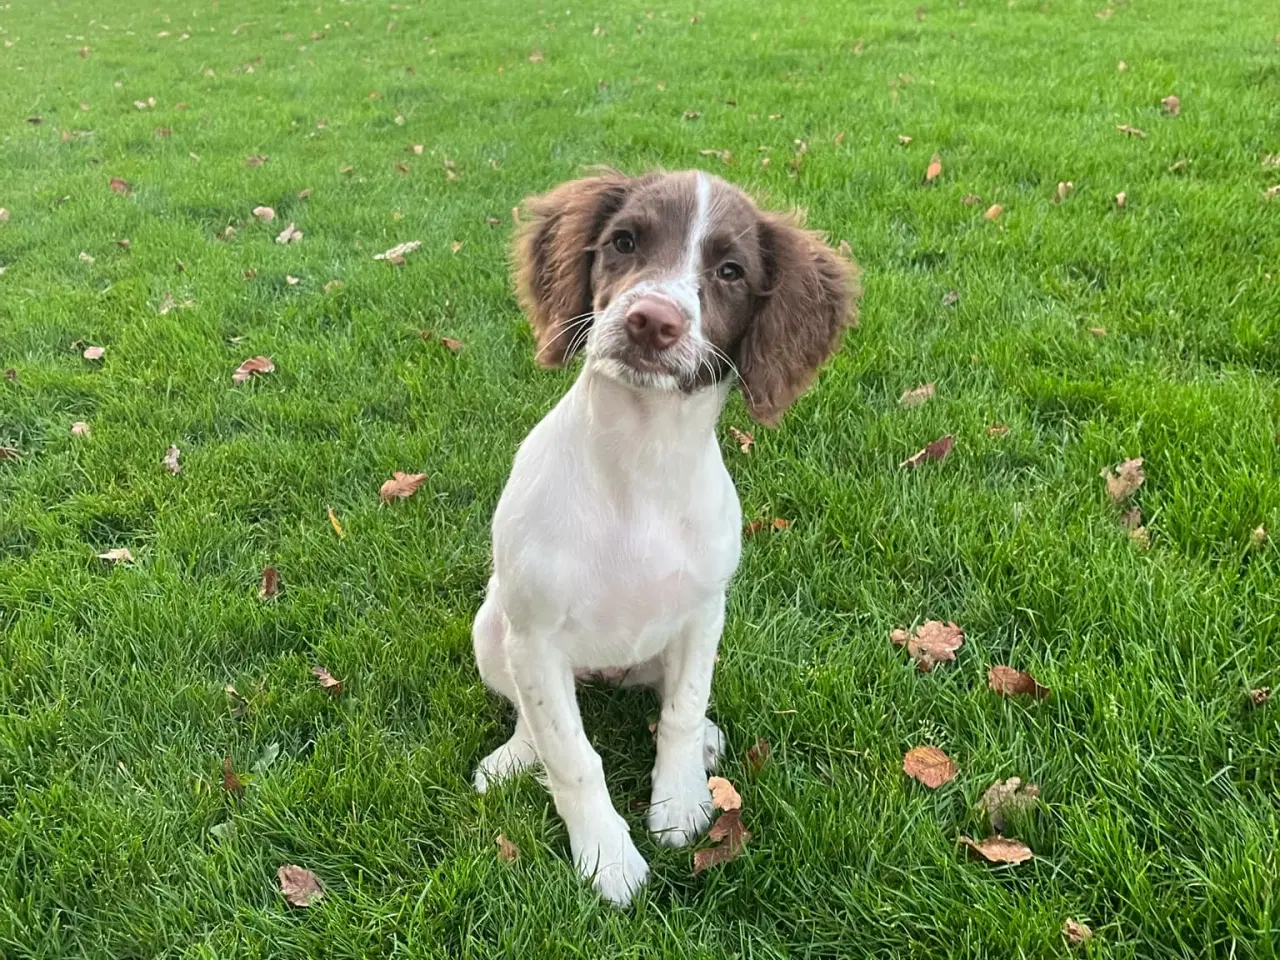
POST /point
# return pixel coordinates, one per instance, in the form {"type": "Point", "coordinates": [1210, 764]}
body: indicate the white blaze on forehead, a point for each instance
{"type": "Point", "coordinates": [688, 282]}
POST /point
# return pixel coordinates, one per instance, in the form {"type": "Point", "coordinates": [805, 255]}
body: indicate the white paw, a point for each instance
{"type": "Point", "coordinates": [609, 859]}
{"type": "Point", "coordinates": [713, 746]}
{"type": "Point", "coordinates": [509, 759]}
{"type": "Point", "coordinates": [680, 810]}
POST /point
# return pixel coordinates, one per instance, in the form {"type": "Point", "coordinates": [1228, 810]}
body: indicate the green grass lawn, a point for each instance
{"type": "Point", "coordinates": [1160, 821]}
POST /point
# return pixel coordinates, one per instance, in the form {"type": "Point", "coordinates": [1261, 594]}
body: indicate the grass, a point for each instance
{"type": "Point", "coordinates": [1159, 826]}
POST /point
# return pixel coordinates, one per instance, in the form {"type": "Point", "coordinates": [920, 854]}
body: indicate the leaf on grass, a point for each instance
{"type": "Point", "coordinates": [743, 439]}
{"type": "Point", "coordinates": [730, 836]}
{"type": "Point", "coordinates": [327, 681]}
{"type": "Point", "coordinates": [289, 234]}
{"type": "Point", "coordinates": [333, 522]}
{"type": "Point", "coordinates": [724, 156]}
{"type": "Point", "coordinates": [256, 160]}
{"type": "Point", "coordinates": [691, 114]}
{"type": "Point", "coordinates": [1121, 199]}
{"type": "Point", "coordinates": [1130, 131]}
{"type": "Point", "coordinates": [1064, 187]}
{"type": "Point", "coordinates": [917, 396]}
{"type": "Point", "coordinates": [971, 200]}
{"type": "Point", "coordinates": [265, 214]}
{"type": "Point", "coordinates": [301, 888]}
{"type": "Point", "coordinates": [171, 460]}
{"type": "Point", "coordinates": [4, 215]}
{"type": "Point", "coordinates": [997, 430]}
{"type": "Point", "coordinates": [81, 429]}
{"type": "Point", "coordinates": [723, 794]}
{"type": "Point", "coordinates": [535, 56]}
{"type": "Point", "coordinates": [397, 253]}
{"type": "Point", "coordinates": [951, 298]}
{"type": "Point", "coordinates": [934, 451]}
{"type": "Point", "coordinates": [1076, 932]}
{"type": "Point", "coordinates": [903, 139]}
{"type": "Point", "coordinates": [1007, 798]}
{"type": "Point", "coordinates": [238, 705]}
{"type": "Point", "coordinates": [1098, 331]}
{"type": "Point", "coordinates": [401, 486]}
{"type": "Point", "coordinates": [780, 524]}
{"type": "Point", "coordinates": [757, 754]}
{"type": "Point", "coordinates": [1260, 696]}
{"type": "Point", "coordinates": [1172, 105]}
{"type": "Point", "coordinates": [1258, 539]}
{"type": "Point", "coordinates": [931, 644]}
{"type": "Point", "coordinates": [934, 170]}
{"type": "Point", "coordinates": [1124, 481]}
{"type": "Point", "coordinates": [999, 849]}
{"type": "Point", "coordinates": [120, 186]}
{"type": "Point", "coordinates": [9, 453]}
{"type": "Point", "coordinates": [270, 583]}
{"type": "Point", "coordinates": [94, 353]}
{"type": "Point", "coordinates": [223, 830]}
{"type": "Point", "coordinates": [1009, 682]}
{"type": "Point", "coordinates": [507, 851]}
{"type": "Point", "coordinates": [230, 782]}
{"type": "Point", "coordinates": [118, 555]}
{"type": "Point", "coordinates": [291, 280]}
{"type": "Point", "coordinates": [994, 211]}
{"type": "Point", "coordinates": [453, 346]}
{"type": "Point", "coordinates": [270, 754]}
{"type": "Point", "coordinates": [252, 367]}
{"type": "Point", "coordinates": [930, 766]}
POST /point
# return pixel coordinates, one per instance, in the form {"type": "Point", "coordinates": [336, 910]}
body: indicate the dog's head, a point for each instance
{"type": "Point", "coordinates": [674, 281]}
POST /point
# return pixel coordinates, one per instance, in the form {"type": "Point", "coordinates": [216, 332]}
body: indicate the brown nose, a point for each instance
{"type": "Point", "coordinates": [654, 322]}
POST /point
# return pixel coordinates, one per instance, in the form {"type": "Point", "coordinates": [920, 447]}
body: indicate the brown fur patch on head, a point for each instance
{"type": "Point", "coordinates": [553, 258]}
{"type": "Point", "coordinates": [801, 318]}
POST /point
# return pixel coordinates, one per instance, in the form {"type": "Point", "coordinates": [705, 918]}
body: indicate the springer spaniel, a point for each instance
{"type": "Point", "coordinates": [619, 528]}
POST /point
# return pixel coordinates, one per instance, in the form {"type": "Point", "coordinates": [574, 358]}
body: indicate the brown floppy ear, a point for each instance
{"type": "Point", "coordinates": [799, 320]}
{"type": "Point", "coordinates": [553, 257]}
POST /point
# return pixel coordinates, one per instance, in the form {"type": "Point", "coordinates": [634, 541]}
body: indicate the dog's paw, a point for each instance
{"type": "Point", "coordinates": [680, 810]}
{"type": "Point", "coordinates": [713, 745]}
{"type": "Point", "coordinates": [515, 755]}
{"type": "Point", "coordinates": [607, 857]}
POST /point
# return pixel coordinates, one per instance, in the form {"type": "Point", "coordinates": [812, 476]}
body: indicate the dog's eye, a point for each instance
{"type": "Point", "coordinates": [624, 242]}
{"type": "Point", "coordinates": [729, 271]}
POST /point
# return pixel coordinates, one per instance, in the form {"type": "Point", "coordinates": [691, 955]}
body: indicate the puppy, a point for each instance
{"type": "Point", "coordinates": [619, 528]}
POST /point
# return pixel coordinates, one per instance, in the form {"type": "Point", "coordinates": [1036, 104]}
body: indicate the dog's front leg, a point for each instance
{"type": "Point", "coordinates": [680, 809]}
{"type": "Point", "coordinates": [598, 836]}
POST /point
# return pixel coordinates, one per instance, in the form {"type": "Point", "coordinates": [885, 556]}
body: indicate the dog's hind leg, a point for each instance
{"type": "Point", "coordinates": [489, 636]}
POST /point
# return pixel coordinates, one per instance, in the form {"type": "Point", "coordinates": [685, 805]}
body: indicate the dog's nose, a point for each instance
{"type": "Point", "coordinates": [654, 322]}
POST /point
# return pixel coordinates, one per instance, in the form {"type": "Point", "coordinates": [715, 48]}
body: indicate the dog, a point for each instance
{"type": "Point", "coordinates": [619, 529]}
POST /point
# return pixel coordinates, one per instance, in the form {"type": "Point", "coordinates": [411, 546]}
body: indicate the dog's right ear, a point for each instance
{"type": "Point", "coordinates": [553, 257]}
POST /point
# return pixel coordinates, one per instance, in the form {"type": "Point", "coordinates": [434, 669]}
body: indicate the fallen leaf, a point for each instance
{"type": "Point", "coordinates": [171, 460]}
{"type": "Point", "coordinates": [270, 754]}
{"type": "Point", "coordinates": [1172, 105]}
{"type": "Point", "coordinates": [730, 836]}
{"type": "Point", "coordinates": [1076, 932]}
{"type": "Point", "coordinates": [931, 644]}
{"type": "Point", "coordinates": [1258, 539]}
{"type": "Point", "coordinates": [120, 186]}
{"type": "Point", "coordinates": [752, 528]}
{"type": "Point", "coordinates": [327, 681]}
{"type": "Point", "coordinates": [1124, 481]}
{"type": "Point", "coordinates": [507, 851]}
{"type": "Point", "coordinates": [492, 221]}
{"type": "Point", "coordinates": [289, 234]}
{"type": "Point", "coordinates": [934, 170]}
{"type": "Point", "coordinates": [265, 214]}
{"type": "Point", "coordinates": [1009, 682]}
{"type": "Point", "coordinates": [456, 246]}
{"type": "Point", "coordinates": [256, 160]}
{"type": "Point", "coordinates": [270, 583]}
{"type": "Point", "coordinates": [997, 430]}
{"type": "Point", "coordinates": [81, 429]}
{"type": "Point", "coordinates": [1011, 798]}
{"type": "Point", "coordinates": [454, 346]}
{"type": "Point", "coordinates": [401, 168]}
{"type": "Point", "coordinates": [930, 766]}
{"type": "Point", "coordinates": [971, 200]}
{"type": "Point", "coordinates": [9, 453]}
{"type": "Point", "coordinates": [223, 830]}
{"type": "Point", "coordinates": [934, 451]}
{"type": "Point", "coordinates": [397, 253]}
{"type": "Point", "coordinates": [743, 439]}
{"type": "Point", "coordinates": [401, 486]}
{"type": "Point", "coordinates": [226, 234]}
{"type": "Point", "coordinates": [839, 138]}
{"type": "Point", "coordinates": [4, 215]}
{"type": "Point", "coordinates": [917, 397]}
{"type": "Point", "coordinates": [1121, 67]}
{"type": "Point", "coordinates": [1098, 331]}
{"type": "Point", "coordinates": [94, 353]}
{"type": "Point", "coordinates": [346, 170]}
{"type": "Point", "coordinates": [304, 193]}
{"type": "Point", "coordinates": [230, 782]}
{"type": "Point", "coordinates": [723, 794]}
{"type": "Point", "coordinates": [903, 139]}
{"type": "Point", "coordinates": [1131, 519]}
{"type": "Point", "coordinates": [994, 211]}
{"type": "Point", "coordinates": [418, 149]}
{"type": "Point", "coordinates": [301, 888]}
{"type": "Point", "coordinates": [1121, 197]}
{"type": "Point", "coordinates": [999, 849]}
{"type": "Point", "coordinates": [691, 114]}
{"type": "Point", "coordinates": [1104, 14]}
{"type": "Point", "coordinates": [757, 754]}
{"type": "Point", "coordinates": [333, 522]}
{"type": "Point", "coordinates": [252, 367]}
{"type": "Point", "coordinates": [951, 298]}
{"type": "Point", "coordinates": [85, 257]}
{"type": "Point", "coordinates": [1260, 696]}
{"type": "Point", "coordinates": [118, 555]}
{"type": "Point", "coordinates": [291, 280]}
{"type": "Point", "coordinates": [1141, 537]}
{"type": "Point", "coordinates": [1064, 187]}
{"type": "Point", "coordinates": [535, 56]}
{"type": "Point", "coordinates": [1130, 131]}
{"type": "Point", "coordinates": [724, 156]}
{"type": "Point", "coordinates": [780, 524]}
{"type": "Point", "coordinates": [1271, 192]}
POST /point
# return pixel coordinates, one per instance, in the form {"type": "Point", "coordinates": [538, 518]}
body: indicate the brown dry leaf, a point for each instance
{"type": "Point", "coordinates": [346, 170]}
{"type": "Point", "coordinates": [507, 851]}
{"type": "Point", "coordinates": [118, 555]}
{"type": "Point", "coordinates": [230, 782]}
{"type": "Point", "coordinates": [780, 524]}
{"type": "Point", "coordinates": [743, 439]}
{"type": "Point", "coordinates": [270, 583]}
{"type": "Point", "coordinates": [456, 246]}
{"type": "Point", "coordinates": [723, 794]}
{"type": "Point", "coordinates": [730, 836]}
{"type": "Point", "coordinates": [1131, 519]}
{"type": "Point", "coordinates": [327, 681]}
{"type": "Point", "coordinates": [918, 396]}
{"type": "Point", "coordinates": [171, 460]}
{"type": "Point", "coordinates": [252, 367]}
{"type": "Point", "coordinates": [291, 280]}
{"type": "Point", "coordinates": [1141, 537]}
{"type": "Point", "coordinates": [997, 430]}
{"type": "Point", "coordinates": [1179, 165]}
{"type": "Point", "coordinates": [903, 139]}
{"type": "Point", "coordinates": [9, 453]}
{"type": "Point", "coordinates": [1098, 331]}
{"type": "Point", "coordinates": [453, 346]}
{"type": "Point", "coordinates": [164, 133]}
{"type": "Point", "coordinates": [934, 170]}
{"type": "Point", "coordinates": [1260, 696]}
{"type": "Point", "coordinates": [752, 528]}
{"type": "Point", "coordinates": [4, 215]}
{"type": "Point", "coordinates": [401, 486]}
{"type": "Point", "coordinates": [120, 186]}
{"type": "Point", "coordinates": [94, 353]}
{"type": "Point", "coordinates": [1000, 849]}
{"type": "Point", "coordinates": [1121, 199]}
{"type": "Point", "coordinates": [1271, 192]}
{"type": "Point", "coordinates": [1076, 932]}
{"type": "Point", "coordinates": [757, 754]}
{"type": "Point", "coordinates": [265, 214]}
{"type": "Point", "coordinates": [1258, 539]}
{"type": "Point", "coordinates": [535, 56]}
{"type": "Point", "coordinates": [301, 888]}
{"type": "Point", "coordinates": [86, 257]}
{"type": "Point", "coordinates": [81, 429]}
{"type": "Point", "coordinates": [397, 253]}
{"type": "Point", "coordinates": [931, 644]}
{"type": "Point", "coordinates": [1010, 798]}
{"type": "Point", "coordinates": [951, 298]}
{"type": "Point", "coordinates": [971, 200]}
{"type": "Point", "coordinates": [691, 114]}
{"type": "Point", "coordinates": [1124, 481]}
{"type": "Point", "coordinates": [934, 451]}
{"type": "Point", "coordinates": [1172, 105]}
{"type": "Point", "coordinates": [1009, 682]}
{"type": "Point", "coordinates": [256, 160]}
{"type": "Point", "coordinates": [304, 193]}
{"type": "Point", "coordinates": [930, 766]}
{"type": "Point", "coordinates": [1064, 187]}
{"type": "Point", "coordinates": [289, 234]}
{"type": "Point", "coordinates": [1130, 131]}
{"type": "Point", "coordinates": [333, 522]}
{"type": "Point", "coordinates": [994, 211]}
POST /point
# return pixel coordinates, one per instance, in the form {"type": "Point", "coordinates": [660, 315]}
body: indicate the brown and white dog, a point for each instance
{"type": "Point", "coordinates": [619, 528]}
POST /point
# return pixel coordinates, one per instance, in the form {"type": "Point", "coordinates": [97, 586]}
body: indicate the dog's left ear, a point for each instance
{"type": "Point", "coordinates": [800, 319]}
